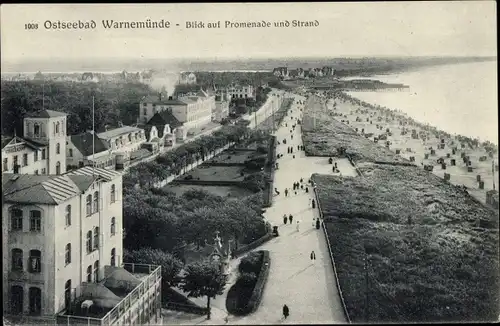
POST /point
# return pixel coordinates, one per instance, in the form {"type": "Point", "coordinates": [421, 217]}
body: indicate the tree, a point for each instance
{"type": "Point", "coordinates": [170, 265]}
{"type": "Point", "coordinates": [203, 279]}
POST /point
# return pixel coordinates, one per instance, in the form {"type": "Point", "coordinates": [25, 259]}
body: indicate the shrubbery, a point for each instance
{"type": "Point", "coordinates": [245, 295]}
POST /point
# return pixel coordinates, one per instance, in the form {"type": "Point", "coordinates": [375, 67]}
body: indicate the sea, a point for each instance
{"type": "Point", "coordinates": [458, 99]}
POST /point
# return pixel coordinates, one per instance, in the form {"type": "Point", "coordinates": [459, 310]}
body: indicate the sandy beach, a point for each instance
{"type": "Point", "coordinates": [420, 144]}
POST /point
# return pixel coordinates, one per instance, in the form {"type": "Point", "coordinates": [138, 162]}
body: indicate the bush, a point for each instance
{"type": "Point", "coordinates": [245, 295]}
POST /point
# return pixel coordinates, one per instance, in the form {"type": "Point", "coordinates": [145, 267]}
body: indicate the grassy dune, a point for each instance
{"type": "Point", "coordinates": [438, 266]}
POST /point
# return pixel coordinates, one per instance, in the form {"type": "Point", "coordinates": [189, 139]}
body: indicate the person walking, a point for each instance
{"type": "Point", "coordinates": [298, 224]}
{"type": "Point", "coordinates": [290, 217]}
{"type": "Point", "coordinates": [286, 311]}
{"type": "Point", "coordinates": [313, 202]}
{"type": "Point", "coordinates": [307, 189]}
{"type": "Point", "coordinates": [285, 218]}
{"type": "Point", "coordinates": [301, 180]}
{"type": "Point", "coordinates": [313, 256]}
{"type": "Point", "coordinates": [286, 192]}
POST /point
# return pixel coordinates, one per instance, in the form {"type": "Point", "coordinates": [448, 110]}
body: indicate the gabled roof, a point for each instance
{"type": "Point", "coordinates": [83, 142]}
{"type": "Point", "coordinates": [7, 140]}
{"type": "Point", "coordinates": [38, 189]}
{"type": "Point", "coordinates": [46, 114]}
{"type": "Point", "coordinates": [117, 132]}
{"type": "Point", "coordinates": [155, 99]}
{"type": "Point", "coordinates": [83, 182]}
{"type": "Point", "coordinates": [162, 118]}
{"type": "Point", "coordinates": [107, 175]}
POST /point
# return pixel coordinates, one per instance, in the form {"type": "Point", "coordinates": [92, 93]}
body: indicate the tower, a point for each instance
{"type": "Point", "coordinates": [48, 128]}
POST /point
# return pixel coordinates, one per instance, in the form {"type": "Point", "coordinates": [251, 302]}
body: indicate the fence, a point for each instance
{"type": "Point", "coordinates": [331, 256]}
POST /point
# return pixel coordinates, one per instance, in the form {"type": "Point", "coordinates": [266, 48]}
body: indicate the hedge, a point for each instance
{"type": "Point", "coordinates": [239, 292]}
{"type": "Point", "coordinates": [246, 248]}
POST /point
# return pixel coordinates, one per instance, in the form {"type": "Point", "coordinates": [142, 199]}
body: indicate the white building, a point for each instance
{"type": "Point", "coordinates": [41, 150]}
{"type": "Point", "coordinates": [63, 251]}
{"type": "Point", "coordinates": [241, 91]}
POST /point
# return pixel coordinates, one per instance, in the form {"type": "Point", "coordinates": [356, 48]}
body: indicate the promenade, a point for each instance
{"type": "Point", "coordinates": [307, 287]}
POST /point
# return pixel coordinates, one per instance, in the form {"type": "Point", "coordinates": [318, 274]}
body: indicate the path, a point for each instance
{"type": "Point", "coordinates": [307, 288]}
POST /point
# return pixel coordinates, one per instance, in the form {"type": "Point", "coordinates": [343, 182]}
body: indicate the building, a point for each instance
{"type": "Point", "coordinates": [281, 72]}
{"type": "Point", "coordinates": [187, 78]}
{"type": "Point", "coordinates": [124, 143]}
{"type": "Point", "coordinates": [88, 149]}
{"type": "Point", "coordinates": [165, 126]}
{"type": "Point", "coordinates": [241, 91]}
{"type": "Point", "coordinates": [63, 251]}
{"type": "Point", "coordinates": [41, 150]}
{"type": "Point", "coordinates": [193, 109]}
{"type": "Point", "coordinates": [222, 102]}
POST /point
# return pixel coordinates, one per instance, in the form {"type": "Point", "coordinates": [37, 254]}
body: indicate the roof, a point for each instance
{"type": "Point", "coordinates": [140, 153]}
{"type": "Point", "coordinates": [6, 140]}
{"type": "Point", "coordinates": [83, 142]}
{"type": "Point", "coordinates": [107, 175]}
{"type": "Point", "coordinates": [117, 132]}
{"type": "Point", "coordinates": [155, 99]}
{"type": "Point", "coordinates": [162, 118]}
{"type": "Point", "coordinates": [83, 182]}
{"type": "Point", "coordinates": [46, 114]}
{"type": "Point", "coordinates": [38, 189]}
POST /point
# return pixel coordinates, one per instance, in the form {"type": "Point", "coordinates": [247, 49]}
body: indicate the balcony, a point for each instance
{"type": "Point", "coordinates": [126, 293]}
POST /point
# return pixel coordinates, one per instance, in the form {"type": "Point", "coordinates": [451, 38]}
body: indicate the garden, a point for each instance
{"type": "Point", "coordinates": [431, 249]}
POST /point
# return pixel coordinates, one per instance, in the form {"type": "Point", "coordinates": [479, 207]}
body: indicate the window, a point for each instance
{"type": "Point", "coordinates": [57, 129]}
{"type": "Point", "coordinates": [43, 154]}
{"type": "Point", "coordinates": [54, 129]}
{"type": "Point", "coordinates": [35, 221]}
{"type": "Point", "coordinates": [129, 137]}
{"type": "Point", "coordinates": [68, 215]}
{"type": "Point", "coordinates": [5, 165]}
{"type": "Point", "coordinates": [113, 193]}
{"type": "Point", "coordinates": [35, 156]}
{"type": "Point", "coordinates": [96, 238]}
{"type": "Point", "coordinates": [116, 142]}
{"type": "Point", "coordinates": [35, 300]}
{"type": "Point", "coordinates": [17, 219]}
{"type": "Point", "coordinates": [89, 242]}
{"type": "Point", "coordinates": [89, 205]}
{"type": "Point", "coordinates": [89, 273]}
{"type": "Point", "coordinates": [145, 111]}
{"type": "Point", "coordinates": [36, 172]}
{"type": "Point", "coordinates": [16, 299]}
{"type": "Point", "coordinates": [113, 257]}
{"type": "Point", "coordinates": [35, 261]}
{"type": "Point", "coordinates": [96, 201]}
{"type": "Point", "coordinates": [25, 159]}
{"type": "Point", "coordinates": [17, 259]}
{"type": "Point", "coordinates": [70, 154]}
{"type": "Point", "coordinates": [113, 226]}
{"type": "Point", "coordinates": [37, 130]}
{"type": "Point", "coordinates": [58, 148]}
{"type": "Point", "coordinates": [67, 257]}
{"type": "Point", "coordinates": [96, 271]}
{"type": "Point", "coordinates": [15, 161]}
{"type": "Point", "coordinates": [58, 167]}
{"type": "Point", "coordinates": [67, 293]}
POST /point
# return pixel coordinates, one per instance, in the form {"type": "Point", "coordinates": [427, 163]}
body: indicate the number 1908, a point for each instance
{"type": "Point", "coordinates": [31, 26]}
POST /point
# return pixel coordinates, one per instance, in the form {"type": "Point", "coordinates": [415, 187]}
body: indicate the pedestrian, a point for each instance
{"type": "Point", "coordinates": [307, 189]}
{"type": "Point", "coordinates": [313, 203]}
{"type": "Point", "coordinates": [293, 155]}
{"type": "Point", "coordinates": [301, 180]}
{"type": "Point", "coordinates": [290, 217]}
{"type": "Point", "coordinates": [291, 136]}
{"type": "Point", "coordinates": [286, 311]}
{"type": "Point", "coordinates": [285, 218]}
{"type": "Point", "coordinates": [286, 192]}
{"type": "Point", "coordinates": [301, 186]}
{"type": "Point", "coordinates": [313, 255]}
{"type": "Point", "coordinates": [298, 226]}
{"type": "Point", "coordinates": [298, 147]}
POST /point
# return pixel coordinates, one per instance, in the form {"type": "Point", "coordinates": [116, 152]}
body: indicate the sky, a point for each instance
{"type": "Point", "coordinates": [447, 28]}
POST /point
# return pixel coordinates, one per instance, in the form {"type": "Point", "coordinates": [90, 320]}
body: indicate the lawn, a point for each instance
{"type": "Point", "coordinates": [233, 157]}
{"type": "Point", "coordinates": [216, 173]}
{"type": "Point", "coordinates": [222, 191]}
{"type": "Point", "coordinates": [438, 266]}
